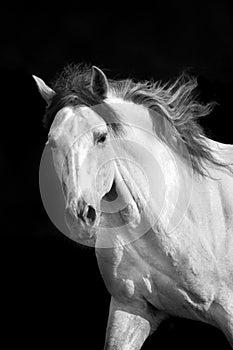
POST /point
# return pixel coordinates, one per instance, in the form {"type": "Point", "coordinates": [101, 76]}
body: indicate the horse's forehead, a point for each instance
{"type": "Point", "coordinates": [72, 122]}
{"type": "Point", "coordinates": [61, 117]}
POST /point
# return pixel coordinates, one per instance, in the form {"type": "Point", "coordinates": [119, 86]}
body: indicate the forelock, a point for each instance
{"type": "Point", "coordinates": [72, 88]}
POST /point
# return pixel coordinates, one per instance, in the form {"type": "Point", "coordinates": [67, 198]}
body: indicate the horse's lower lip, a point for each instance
{"type": "Point", "coordinates": [126, 212]}
{"type": "Point", "coordinates": [130, 214]}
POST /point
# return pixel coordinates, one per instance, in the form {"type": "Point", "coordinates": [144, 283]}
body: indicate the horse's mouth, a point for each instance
{"type": "Point", "coordinates": [116, 212]}
{"type": "Point", "coordinates": [112, 194]}
{"type": "Point", "coordinates": [85, 221]}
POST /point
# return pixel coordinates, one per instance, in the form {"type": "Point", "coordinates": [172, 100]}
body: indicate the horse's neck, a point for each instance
{"type": "Point", "coordinates": [197, 201]}
{"type": "Point", "coordinates": [209, 213]}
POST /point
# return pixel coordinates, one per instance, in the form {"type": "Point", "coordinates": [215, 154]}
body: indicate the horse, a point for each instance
{"type": "Point", "coordinates": [150, 192]}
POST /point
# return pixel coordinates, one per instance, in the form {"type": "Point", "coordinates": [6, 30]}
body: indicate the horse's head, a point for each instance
{"type": "Point", "coordinates": [85, 149]}
{"type": "Point", "coordinates": [118, 154]}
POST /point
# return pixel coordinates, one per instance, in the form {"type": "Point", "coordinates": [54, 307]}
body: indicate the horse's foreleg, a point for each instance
{"type": "Point", "coordinates": [125, 330]}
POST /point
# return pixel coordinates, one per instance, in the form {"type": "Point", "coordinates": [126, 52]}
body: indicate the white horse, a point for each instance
{"type": "Point", "coordinates": [151, 193]}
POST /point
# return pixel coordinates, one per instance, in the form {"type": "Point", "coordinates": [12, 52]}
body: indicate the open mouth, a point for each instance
{"type": "Point", "coordinates": [117, 212]}
{"type": "Point", "coordinates": [118, 209]}
{"type": "Point", "coordinates": [112, 194]}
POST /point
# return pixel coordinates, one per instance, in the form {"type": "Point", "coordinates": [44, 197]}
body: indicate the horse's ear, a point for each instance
{"type": "Point", "coordinates": [46, 92]}
{"type": "Point", "coordinates": [99, 82]}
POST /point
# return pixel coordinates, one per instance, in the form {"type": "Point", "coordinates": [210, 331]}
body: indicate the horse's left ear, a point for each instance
{"type": "Point", "coordinates": [99, 82]}
{"type": "Point", "coordinates": [46, 92]}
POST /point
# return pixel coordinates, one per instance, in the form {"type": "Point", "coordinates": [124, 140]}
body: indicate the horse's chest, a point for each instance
{"type": "Point", "coordinates": [164, 292]}
{"type": "Point", "coordinates": [178, 289]}
{"type": "Point", "coordinates": [131, 276]}
{"type": "Point", "coordinates": [174, 289]}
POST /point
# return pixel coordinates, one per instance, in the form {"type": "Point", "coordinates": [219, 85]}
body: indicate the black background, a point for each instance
{"type": "Point", "coordinates": [52, 291]}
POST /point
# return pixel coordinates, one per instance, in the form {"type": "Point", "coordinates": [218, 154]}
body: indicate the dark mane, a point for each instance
{"type": "Point", "coordinates": [180, 112]}
{"type": "Point", "coordinates": [72, 88]}
{"type": "Point", "coordinates": [174, 102]}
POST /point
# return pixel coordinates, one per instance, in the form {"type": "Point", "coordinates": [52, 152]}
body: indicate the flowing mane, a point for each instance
{"type": "Point", "coordinates": [174, 101]}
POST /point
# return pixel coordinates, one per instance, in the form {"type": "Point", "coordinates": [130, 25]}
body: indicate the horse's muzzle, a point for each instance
{"type": "Point", "coordinates": [82, 220]}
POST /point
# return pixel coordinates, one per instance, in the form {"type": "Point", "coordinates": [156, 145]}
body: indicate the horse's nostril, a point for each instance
{"type": "Point", "coordinates": [91, 214]}
{"type": "Point", "coordinates": [80, 215]}
{"type": "Point", "coordinates": [86, 213]}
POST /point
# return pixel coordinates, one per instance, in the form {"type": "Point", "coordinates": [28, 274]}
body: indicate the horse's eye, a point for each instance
{"type": "Point", "coordinates": [101, 138]}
